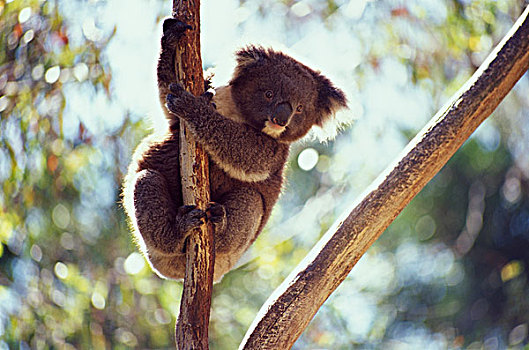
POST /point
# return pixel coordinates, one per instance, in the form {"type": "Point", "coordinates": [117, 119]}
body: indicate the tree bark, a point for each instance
{"type": "Point", "coordinates": [290, 308]}
{"type": "Point", "coordinates": [193, 319]}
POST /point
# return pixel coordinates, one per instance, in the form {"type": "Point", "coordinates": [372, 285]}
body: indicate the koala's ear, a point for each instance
{"type": "Point", "coordinates": [330, 99]}
{"type": "Point", "coordinates": [248, 57]}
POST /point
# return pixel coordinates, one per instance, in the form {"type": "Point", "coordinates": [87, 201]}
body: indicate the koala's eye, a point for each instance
{"type": "Point", "coordinates": [299, 108]}
{"type": "Point", "coordinates": [269, 94]}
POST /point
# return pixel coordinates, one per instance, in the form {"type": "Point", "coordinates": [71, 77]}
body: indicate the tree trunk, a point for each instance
{"type": "Point", "coordinates": [288, 311]}
{"type": "Point", "coordinates": [193, 320]}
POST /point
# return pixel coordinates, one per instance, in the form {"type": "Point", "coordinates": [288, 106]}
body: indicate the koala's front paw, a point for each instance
{"type": "Point", "coordinates": [216, 213]}
{"type": "Point", "coordinates": [184, 104]}
{"type": "Point", "coordinates": [178, 100]}
{"type": "Point", "coordinates": [177, 90]}
{"type": "Point", "coordinates": [173, 29]}
{"type": "Point", "coordinates": [188, 218]}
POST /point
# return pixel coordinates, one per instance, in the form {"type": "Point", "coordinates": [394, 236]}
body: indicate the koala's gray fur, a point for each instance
{"type": "Point", "coordinates": [246, 129]}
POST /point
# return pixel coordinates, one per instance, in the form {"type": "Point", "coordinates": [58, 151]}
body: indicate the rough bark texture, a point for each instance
{"type": "Point", "coordinates": [193, 320]}
{"type": "Point", "coordinates": [289, 310]}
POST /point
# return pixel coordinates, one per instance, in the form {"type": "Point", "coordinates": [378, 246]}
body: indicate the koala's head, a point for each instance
{"type": "Point", "coordinates": [280, 96]}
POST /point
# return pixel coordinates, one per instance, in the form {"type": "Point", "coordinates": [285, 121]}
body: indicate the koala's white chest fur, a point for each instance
{"type": "Point", "coordinates": [272, 129]}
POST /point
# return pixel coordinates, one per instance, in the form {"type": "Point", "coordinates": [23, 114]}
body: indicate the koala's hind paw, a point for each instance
{"type": "Point", "coordinates": [188, 218]}
{"type": "Point", "coordinates": [173, 29]}
{"type": "Point", "coordinates": [216, 213]}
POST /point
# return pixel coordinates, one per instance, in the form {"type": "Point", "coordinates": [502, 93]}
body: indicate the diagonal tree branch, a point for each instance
{"type": "Point", "coordinates": [193, 320]}
{"type": "Point", "coordinates": [288, 311]}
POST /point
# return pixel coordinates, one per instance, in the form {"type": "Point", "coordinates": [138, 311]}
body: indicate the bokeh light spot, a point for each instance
{"type": "Point", "coordinates": [134, 263]}
{"type": "Point", "coordinates": [4, 102]}
{"type": "Point", "coordinates": [52, 74]}
{"type": "Point", "coordinates": [67, 241]}
{"type": "Point", "coordinates": [35, 252]}
{"type": "Point", "coordinates": [511, 270]}
{"type": "Point", "coordinates": [37, 72]}
{"type": "Point", "coordinates": [24, 14]}
{"type": "Point", "coordinates": [301, 9]}
{"type": "Point", "coordinates": [28, 36]}
{"type": "Point", "coordinates": [98, 301]}
{"type": "Point", "coordinates": [518, 334]}
{"type": "Point", "coordinates": [425, 227]}
{"type": "Point", "coordinates": [61, 270]}
{"type": "Point", "coordinates": [80, 72]}
{"type": "Point", "coordinates": [61, 216]}
{"type": "Point", "coordinates": [308, 158]}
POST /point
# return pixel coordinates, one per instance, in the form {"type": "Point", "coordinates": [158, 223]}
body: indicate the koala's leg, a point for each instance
{"type": "Point", "coordinates": [163, 224]}
{"type": "Point", "coordinates": [244, 211]}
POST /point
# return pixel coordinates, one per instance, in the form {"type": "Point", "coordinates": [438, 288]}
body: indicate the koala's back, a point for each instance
{"type": "Point", "coordinates": [161, 153]}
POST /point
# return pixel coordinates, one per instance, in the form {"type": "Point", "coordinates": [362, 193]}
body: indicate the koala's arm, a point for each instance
{"type": "Point", "coordinates": [173, 30]}
{"type": "Point", "coordinates": [153, 199]}
{"type": "Point", "coordinates": [241, 151]}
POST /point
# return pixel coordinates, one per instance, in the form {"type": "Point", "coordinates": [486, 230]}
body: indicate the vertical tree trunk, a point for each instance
{"type": "Point", "coordinates": [193, 320]}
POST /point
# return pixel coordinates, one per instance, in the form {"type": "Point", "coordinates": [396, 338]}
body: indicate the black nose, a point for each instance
{"type": "Point", "coordinates": [282, 113]}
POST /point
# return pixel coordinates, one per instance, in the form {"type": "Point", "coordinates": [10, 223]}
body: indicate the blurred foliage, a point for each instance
{"type": "Point", "coordinates": [59, 192]}
{"type": "Point", "coordinates": [451, 272]}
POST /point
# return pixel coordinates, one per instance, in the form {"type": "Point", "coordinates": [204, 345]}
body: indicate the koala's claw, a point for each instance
{"type": "Point", "coordinates": [216, 213]}
{"type": "Point", "coordinates": [176, 88]}
{"type": "Point", "coordinates": [173, 104]}
{"type": "Point", "coordinates": [184, 209]}
{"type": "Point", "coordinates": [207, 83]}
{"type": "Point", "coordinates": [174, 28]}
{"type": "Point", "coordinates": [188, 218]}
{"type": "Point", "coordinates": [207, 96]}
{"type": "Point", "coordinates": [182, 103]}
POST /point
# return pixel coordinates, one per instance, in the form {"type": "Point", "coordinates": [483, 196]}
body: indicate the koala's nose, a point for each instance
{"type": "Point", "coordinates": [282, 113]}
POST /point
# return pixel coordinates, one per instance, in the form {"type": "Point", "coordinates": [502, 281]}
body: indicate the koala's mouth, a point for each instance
{"type": "Point", "coordinates": [273, 129]}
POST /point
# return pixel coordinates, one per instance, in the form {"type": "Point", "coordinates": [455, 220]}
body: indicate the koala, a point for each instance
{"type": "Point", "coordinates": [246, 128]}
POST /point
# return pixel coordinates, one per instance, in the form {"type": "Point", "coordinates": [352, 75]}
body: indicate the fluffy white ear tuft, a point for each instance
{"type": "Point", "coordinates": [330, 98]}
